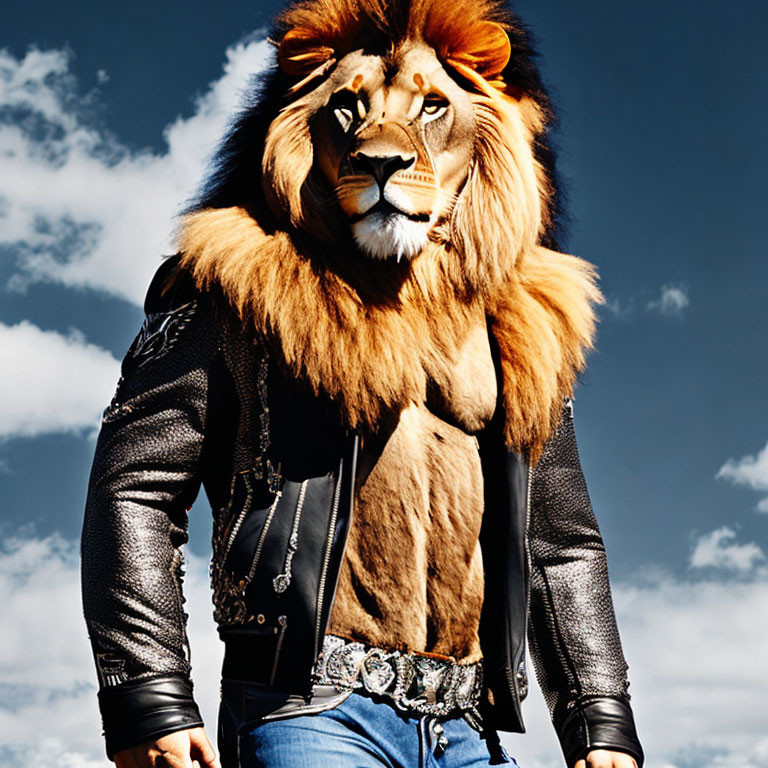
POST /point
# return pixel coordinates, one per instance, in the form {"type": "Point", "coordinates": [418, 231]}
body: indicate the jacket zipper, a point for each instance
{"type": "Point", "coordinates": [283, 580]}
{"type": "Point", "coordinates": [528, 562]}
{"type": "Point", "coordinates": [327, 557]}
{"type": "Point", "coordinates": [283, 623]}
{"type": "Point", "coordinates": [512, 675]}
{"type": "Point", "coordinates": [262, 536]}
{"type": "Point", "coordinates": [243, 512]}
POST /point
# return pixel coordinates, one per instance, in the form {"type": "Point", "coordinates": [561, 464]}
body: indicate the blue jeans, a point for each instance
{"type": "Point", "coordinates": [361, 732]}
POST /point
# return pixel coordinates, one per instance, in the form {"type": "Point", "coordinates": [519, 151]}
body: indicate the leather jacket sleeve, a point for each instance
{"type": "Point", "coordinates": [573, 634]}
{"type": "Point", "coordinates": [145, 476]}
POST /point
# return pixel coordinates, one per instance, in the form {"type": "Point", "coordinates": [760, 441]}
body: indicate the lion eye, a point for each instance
{"type": "Point", "coordinates": [345, 117]}
{"type": "Point", "coordinates": [434, 107]}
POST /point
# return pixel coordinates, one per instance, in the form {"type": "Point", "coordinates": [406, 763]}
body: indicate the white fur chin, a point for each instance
{"type": "Point", "coordinates": [383, 236]}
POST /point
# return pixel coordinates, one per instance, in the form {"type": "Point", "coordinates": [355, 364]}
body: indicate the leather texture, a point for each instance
{"type": "Point", "coordinates": [142, 481]}
{"type": "Point", "coordinates": [138, 712]}
{"type": "Point", "coordinates": [144, 477]}
{"type": "Point", "coordinates": [599, 723]}
{"type": "Point", "coordinates": [202, 401]}
{"type": "Point", "coordinates": [573, 635]}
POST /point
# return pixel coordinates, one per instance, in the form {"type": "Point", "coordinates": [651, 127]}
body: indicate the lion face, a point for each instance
{"type": "Point", "coordinates": [394, 141]}
{"type": "Point", "coordinates": [404, 123]}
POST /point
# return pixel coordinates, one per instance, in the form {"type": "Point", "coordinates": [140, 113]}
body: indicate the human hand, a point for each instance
{"type": "Point", "coordinates": [604, 758]}
{"type": "Point", "coordinates": [181, 749]}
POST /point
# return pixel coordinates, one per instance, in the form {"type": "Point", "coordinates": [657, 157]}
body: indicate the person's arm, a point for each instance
{"type": "Point", "coordinates": [573, 634]}
{"type": "Point", "coordinates": [145, 475]}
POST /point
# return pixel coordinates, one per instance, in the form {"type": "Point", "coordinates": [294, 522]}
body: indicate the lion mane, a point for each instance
{"type": "Point", "coordinates": [373, 334]}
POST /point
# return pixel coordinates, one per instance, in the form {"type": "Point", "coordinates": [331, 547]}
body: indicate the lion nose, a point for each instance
{"type": "Point", "coordinates": [381, 168]}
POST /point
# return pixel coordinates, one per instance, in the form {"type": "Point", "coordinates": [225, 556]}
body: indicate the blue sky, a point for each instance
{"type": "Point", "coordinates": [106, 117]}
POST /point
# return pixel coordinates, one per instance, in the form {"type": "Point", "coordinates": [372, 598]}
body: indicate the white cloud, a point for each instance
{"type": "Point", "coordinates": [618, 307]}
{"type": "Point", "coordinates": [672, 300]}
{"type": "Point", "coordinates": [51, 382]}
{"type": "Point", "coordinates": [79, 208]}
{"type": "Point", "coordinates": [48, 700]}
{"type": "Point", "coordinates": [712, 550]}
{"type": "Point", "coordinates": [48, 713]}
{"type": "Point", "coordinates": [696, 655]}
{"type": "Point", "coordinates": [749, 471]}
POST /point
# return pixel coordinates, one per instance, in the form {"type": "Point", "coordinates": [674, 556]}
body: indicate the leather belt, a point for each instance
{"type": "Point", "coordinates": [415, 682]}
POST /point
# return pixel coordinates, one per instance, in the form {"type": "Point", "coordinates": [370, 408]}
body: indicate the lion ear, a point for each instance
{"type": "Point", "coordinates": [301, 52]}
{"type": "Point", "coordinates": [485, 50]}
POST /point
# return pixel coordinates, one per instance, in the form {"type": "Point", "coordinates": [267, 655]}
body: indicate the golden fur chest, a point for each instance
{"type": "Point", "coordinates": [412, 577]}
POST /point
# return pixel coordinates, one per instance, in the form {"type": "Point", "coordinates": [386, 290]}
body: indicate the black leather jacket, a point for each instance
{"type": "Point", "coordinates": [202, 401]}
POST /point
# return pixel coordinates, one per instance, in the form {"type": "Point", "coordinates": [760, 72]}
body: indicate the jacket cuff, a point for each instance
{"type": "Point", "coordinates": [134, 713]}
{"type": "Point", "coordinates": [599, 723]}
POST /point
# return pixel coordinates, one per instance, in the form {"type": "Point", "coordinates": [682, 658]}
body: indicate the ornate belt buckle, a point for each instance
{"type": "Point", "coordinates": [465, 686]}
{"type": "Point", "coordinates": [423, 685]}
{"type": "Point", "coordinates": [378, 670]}
{"type": "Point", "coordinates": [342, 663]}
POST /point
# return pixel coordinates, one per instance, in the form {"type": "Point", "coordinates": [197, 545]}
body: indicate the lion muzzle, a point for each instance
{"type": "Point", "coordinates": [381, 167]}
{"type": "Point", "coordinates": [389, 193]}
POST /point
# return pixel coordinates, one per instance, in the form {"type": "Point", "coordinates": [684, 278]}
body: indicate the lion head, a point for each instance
{"type": "Point", "coordinates": [409, 122]}
{"type": "Point", "coordinates": [391, 179]}
{"type": "Point", "coordinates": [396, 154]}
{"type": "Point", "coordinates": [392, 124]}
